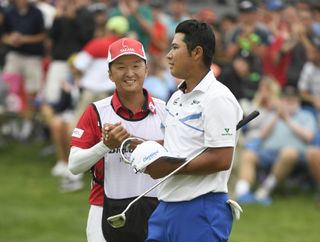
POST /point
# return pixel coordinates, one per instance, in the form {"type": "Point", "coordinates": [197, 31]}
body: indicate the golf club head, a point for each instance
{"type": "Point", "coordinates": [117, 221]}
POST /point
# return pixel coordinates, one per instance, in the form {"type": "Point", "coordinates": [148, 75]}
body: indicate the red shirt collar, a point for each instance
{"type": "Point", "coordinates": [148, 106]}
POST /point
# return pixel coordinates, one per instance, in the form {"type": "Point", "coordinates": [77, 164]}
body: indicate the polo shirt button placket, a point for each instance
{"type": "Point", "coordinates": [180, 105]}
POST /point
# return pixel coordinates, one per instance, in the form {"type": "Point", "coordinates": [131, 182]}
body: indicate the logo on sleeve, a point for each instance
{"type": "Point", "coordinates": [226, 132]}
{"type": "Point", "coordinates": [77, 133]}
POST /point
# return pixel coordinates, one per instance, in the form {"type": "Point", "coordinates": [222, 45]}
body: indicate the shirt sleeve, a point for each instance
{"type": "Point", "coordinates": [87, 132]}
{"type": "Point", "coordinates": [220, 121]}
{"type": "Point", "coordinates": [39, 23]}
{"type": "Point", "coordinates": [81, 160]}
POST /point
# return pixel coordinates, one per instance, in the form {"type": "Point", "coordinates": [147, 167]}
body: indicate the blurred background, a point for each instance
{"type": "Point", "coordinates": [53, 63]}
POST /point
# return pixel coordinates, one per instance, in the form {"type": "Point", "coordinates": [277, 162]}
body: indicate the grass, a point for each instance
{"type": "Point", "coordinates": [290, 219]}
{"type": "Point", "coordinates": [33, 210]}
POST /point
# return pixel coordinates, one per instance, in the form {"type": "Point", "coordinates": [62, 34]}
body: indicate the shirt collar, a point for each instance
{"type": "Point", "coordinates": [148, 105]}
{"type": "Point", "coordinates": [202, 86]}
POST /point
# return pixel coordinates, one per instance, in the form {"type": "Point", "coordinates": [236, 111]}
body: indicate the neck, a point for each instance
{"type": "Point", "coordinates": [195, 79]}
{"type": "Point", "coordinates": [132, 101]}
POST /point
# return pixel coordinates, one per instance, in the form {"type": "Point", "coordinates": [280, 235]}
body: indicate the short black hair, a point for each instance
{"type": "Point", "coordinates": [198, 34]}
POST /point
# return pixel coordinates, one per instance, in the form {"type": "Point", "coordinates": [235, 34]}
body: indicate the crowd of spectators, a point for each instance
{"type": "Point", "coordinates": [53, 64]}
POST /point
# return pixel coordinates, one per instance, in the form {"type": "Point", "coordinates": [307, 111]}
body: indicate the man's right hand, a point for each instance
{"type": "Point", "coordinates": [114, 134]}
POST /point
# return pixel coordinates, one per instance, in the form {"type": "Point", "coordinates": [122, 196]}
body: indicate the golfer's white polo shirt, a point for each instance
{"type": "Point", "coordinates": [205, 117]}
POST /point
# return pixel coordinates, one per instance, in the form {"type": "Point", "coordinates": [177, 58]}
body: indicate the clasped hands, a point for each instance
{"type": "Point", "coordinates": [114, 134]}
{"type": "Point", "coordinates": [146, 153]}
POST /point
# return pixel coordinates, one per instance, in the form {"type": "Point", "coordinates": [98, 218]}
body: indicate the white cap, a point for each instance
{"type": "Point", "coordinates": [146, 153]}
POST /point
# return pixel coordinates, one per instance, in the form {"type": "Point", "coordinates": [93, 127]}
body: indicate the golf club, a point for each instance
{"type": "Point", "coordinates": [119, 220]}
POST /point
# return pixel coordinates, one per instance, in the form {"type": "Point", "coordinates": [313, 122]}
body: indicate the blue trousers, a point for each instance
{"type": "Point", "coordinates": [207, 218]}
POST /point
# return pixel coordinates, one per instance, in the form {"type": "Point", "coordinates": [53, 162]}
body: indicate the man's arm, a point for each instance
{"type": "Point", "coordinates": [81, 160]}
{"type": "Point", "coordinates": [31, 39]}
{"type": "Point", "coordinates": [210, 161]}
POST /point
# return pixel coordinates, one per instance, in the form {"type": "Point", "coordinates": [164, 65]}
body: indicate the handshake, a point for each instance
{"type": "Point", "coordinates": [144, 154]}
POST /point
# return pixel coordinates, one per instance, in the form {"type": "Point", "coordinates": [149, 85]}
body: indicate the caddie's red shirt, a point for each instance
{"type": "Point", "coordinates": [91, 135]}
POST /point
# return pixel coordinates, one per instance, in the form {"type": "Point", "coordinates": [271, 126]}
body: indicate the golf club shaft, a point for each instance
{"type": "Point", "coordinates": [243, 122]}
{"type": "Point", "coordinates": [162, 180]}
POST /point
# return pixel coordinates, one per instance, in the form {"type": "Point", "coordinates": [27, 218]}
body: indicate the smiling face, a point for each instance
{"type": "Point", "coordinates": [179, 58]}
{"type": "Point", "coordinates": [128, 73]}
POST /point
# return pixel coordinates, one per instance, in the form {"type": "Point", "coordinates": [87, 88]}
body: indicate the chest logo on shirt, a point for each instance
{"type": "Point", "coordinates": [195, 102]}
{"type": "Point", "coordinates": [175, 101]}
{"type": "Point", "coordinates": [226, 132]}
{"type": "Point", "coordinates": [152, 107]}
{"type": "Point", "coordinates": [77, 133]}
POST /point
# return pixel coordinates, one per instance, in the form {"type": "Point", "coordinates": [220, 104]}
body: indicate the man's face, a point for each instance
{"type": "Point", "coordinates": [177, 8]}
{"type": "Point", "coordinates": [21, 3]}
{"type": "Point", "coordinates": [291, 103]}
{"type": "Point", "coordinates": [314, 56]}
{"type": "Point", "coordinates": [128, 73]}
{"type": "Point", "coordinates": [306, 18]}
{"type": "Point", "coordinates": [179, 59]}
{"type": "Point", "coordinates": [241, 67]}
{"type": "Point", "coordinates": [248, 18]}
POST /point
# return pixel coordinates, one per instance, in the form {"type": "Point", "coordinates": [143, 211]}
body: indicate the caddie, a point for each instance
{"type": "Point", "coordinates": [130, 111]}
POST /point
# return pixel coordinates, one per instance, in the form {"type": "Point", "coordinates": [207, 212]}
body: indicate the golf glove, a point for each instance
{"type": "Point", "coordinates": [235, 208]}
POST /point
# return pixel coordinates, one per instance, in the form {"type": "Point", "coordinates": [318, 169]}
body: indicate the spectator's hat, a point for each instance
{"type": "Point", "coordinates": [247, 6]}
{"type": "Point", "coordinates": [125, 46]}
{"type": "Point", "coordinates": [118, 24]}
{"type": "Point", "coordinates": [274, 5]}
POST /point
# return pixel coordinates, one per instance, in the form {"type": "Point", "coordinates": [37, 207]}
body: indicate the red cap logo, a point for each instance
{"type": "Point", "coordinates": [125, 46]}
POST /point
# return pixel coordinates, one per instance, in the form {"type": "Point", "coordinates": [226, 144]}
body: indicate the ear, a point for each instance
{"type": "Point", "coordinates": [197, 53]}
{"type": "Point", "coordinates": [110, 75]}
{"type": "Point", "coordinates": [147, 70]}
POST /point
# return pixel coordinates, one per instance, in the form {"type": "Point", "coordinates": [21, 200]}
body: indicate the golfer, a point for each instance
{"type": "Point", "coordinates": [201, 115]}
{"type": "Point", "coordinates": [130, 111]}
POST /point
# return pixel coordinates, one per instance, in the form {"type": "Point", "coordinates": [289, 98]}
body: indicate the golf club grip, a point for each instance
{"type": "Point", "coordinates": [247, 119]}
